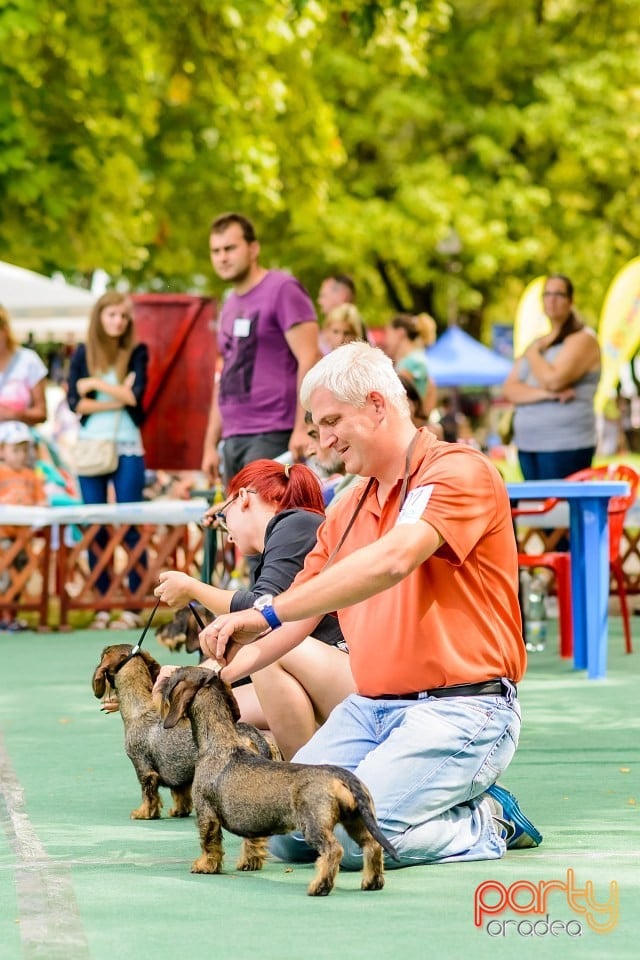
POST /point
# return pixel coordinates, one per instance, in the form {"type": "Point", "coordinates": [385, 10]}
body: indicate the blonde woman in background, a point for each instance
{"type": "Point", "coordinates": [343, 325]}
{"type": "Point", "coordinates": [107, 380]}
{"type": "Point", "coordinates": [406, 339]}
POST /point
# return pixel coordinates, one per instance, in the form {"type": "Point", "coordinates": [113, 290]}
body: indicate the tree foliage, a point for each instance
{"type": "Point", "coordinates": [444, 153]}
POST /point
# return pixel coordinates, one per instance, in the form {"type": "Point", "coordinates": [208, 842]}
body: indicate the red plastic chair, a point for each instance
{"type": "Point", "coordinates": [560, 563]}
{"type": "Point", "coordinates": [617, 511]}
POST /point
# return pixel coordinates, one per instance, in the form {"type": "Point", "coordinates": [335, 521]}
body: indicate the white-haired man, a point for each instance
{"type": "Point", "coordinates": [425, 585]}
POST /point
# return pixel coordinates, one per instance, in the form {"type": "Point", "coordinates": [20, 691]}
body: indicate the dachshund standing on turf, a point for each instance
{"type": "Point", "coordinates": [161, 758]}
{"type": "Point", "coordinates": [255, 798]}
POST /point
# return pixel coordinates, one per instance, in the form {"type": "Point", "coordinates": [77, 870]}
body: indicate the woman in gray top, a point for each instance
{"type": "Point", "coordinates": [552, 386]}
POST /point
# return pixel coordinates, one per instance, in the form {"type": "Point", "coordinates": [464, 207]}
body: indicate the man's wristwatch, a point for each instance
{"type": "Point", "coordinates": [264, 605]}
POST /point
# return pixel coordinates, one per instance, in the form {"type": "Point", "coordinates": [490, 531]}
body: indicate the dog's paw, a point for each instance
{"type": "Point", "coordinates": [144, 813]}
{"type": "Point", "coordinates": [373, 883]}
{"type": "Point", "coordinates": [253, 854]}
{"type": "Point", "coordinates": [250, 863]}
{"type": "Point", "coordinates": [174, 642]}
{"type": "Point", "coordinates": [205, 864]}
{"type": "Point", "coordinates": [321, 887]}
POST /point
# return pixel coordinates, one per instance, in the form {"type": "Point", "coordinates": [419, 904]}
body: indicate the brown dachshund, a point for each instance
{"type": "Point", "coordinates": [161, 758]}
{"type": "Point", "coordinates": [255, 798]}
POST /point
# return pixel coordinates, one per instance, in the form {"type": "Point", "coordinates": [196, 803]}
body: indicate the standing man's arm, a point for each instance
{"type": "Point", "coordinates": [210, 457]}
{"type": "Point", "coordinates": [303, 343]}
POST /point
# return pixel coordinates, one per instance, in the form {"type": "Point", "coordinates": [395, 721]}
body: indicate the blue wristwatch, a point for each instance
{"type": "Point", "coordinates": [264, 605]}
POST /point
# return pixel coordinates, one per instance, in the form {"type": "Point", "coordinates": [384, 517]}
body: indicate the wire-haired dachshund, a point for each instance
{"type": "Point", "coordinates": [255, 798]}
{"type": "Point", "coordinates": [161, 758]}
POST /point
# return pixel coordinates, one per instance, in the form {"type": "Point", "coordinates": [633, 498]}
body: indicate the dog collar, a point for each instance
{"type": "Point", "coordinates": [136, 650]}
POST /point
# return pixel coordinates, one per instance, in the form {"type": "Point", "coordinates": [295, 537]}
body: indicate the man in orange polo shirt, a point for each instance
{"type": "Point", "coordinates": [421, 564]}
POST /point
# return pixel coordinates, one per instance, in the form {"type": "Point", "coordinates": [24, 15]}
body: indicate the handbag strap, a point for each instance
{"type": "Point", "coordinates": [116, 424]}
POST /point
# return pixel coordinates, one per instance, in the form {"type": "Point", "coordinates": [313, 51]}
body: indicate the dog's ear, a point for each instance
{"type": "Point", "coordinates": [178, 696]}
{"type": "Point", "coordinates": [99, 682]}
{"type": "Point", "coordinates": [152, 664]}
{"type": "Point", "coordinates": [232, 703]}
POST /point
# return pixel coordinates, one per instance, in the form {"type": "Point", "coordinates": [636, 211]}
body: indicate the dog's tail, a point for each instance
{"type": "Point", "coordinates": [365, 807]}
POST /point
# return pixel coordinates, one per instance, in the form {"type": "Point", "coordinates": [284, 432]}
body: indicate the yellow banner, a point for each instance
{"type": "Point", "coordinates": [619, 328]}
{"type": "Point", "coordinates": [531, 321]}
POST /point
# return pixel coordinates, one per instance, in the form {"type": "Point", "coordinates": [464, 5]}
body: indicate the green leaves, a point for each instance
{"type": "Point", "coordinates": [360, 136]}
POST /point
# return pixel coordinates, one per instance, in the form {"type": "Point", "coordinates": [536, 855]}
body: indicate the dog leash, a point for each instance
{"type": "Point", "coordinates": [196, 616]}
{"type": "Point", "coordinates": [136, 650]}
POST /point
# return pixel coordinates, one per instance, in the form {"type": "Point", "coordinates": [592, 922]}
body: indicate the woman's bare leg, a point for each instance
{"type": "Point", "coordinates": [250, 708]}
{"type": "Point", "coordinates": [298, 692]}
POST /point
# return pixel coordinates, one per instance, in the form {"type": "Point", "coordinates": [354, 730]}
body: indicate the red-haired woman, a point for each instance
{"type": "Point", "coordinates": [274, 511]}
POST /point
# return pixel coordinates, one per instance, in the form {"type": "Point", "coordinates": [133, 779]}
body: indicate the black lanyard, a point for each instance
{"type": "Point", "coordinates": [403, 496]}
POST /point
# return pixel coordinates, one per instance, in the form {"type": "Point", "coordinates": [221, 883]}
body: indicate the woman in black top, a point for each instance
{"type": "Point", "coordinates": [274, 511]}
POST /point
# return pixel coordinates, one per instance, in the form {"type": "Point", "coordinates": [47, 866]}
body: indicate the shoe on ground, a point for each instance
{"type": "Point", "coordinates": [128, 620]}
{"type": "Point", "coordinates": [15, 626]}
{"type": "Point", "coordinates": [520, 832]}
{"type": "Point", "coordinates": [100, 621]}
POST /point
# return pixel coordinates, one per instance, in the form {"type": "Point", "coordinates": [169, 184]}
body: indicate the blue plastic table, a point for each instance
{"type": "Point", "coordinates": [589, 537]}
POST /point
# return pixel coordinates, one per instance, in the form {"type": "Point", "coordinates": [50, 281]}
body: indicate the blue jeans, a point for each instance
{"type": "Point", "coordinates": [554, 464]}
{"type": "Point", "coordinates": [128, 484]}
{"type": "Point", "coordinates": [427, 764]}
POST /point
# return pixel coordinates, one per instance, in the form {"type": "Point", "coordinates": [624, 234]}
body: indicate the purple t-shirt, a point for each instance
{"type": "Point", "coordinates": [259, 381]}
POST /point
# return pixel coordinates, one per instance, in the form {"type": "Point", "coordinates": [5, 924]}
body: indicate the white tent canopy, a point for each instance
{"type": "Point", "coordinates": [49, 309]}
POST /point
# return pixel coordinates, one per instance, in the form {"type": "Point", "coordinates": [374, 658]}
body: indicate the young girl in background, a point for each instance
{"type": "Point", "coordinates": [107, 380]}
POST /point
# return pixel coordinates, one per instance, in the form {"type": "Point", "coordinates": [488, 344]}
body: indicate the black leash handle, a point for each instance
{"type": "Point", "coordinates": [196, 615]}
{"type": "Point", "coordinates": [136, 649]}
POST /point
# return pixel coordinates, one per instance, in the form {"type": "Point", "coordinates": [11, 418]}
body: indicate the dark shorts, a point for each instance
{"type": "Point", "coordinates": [241, 450]}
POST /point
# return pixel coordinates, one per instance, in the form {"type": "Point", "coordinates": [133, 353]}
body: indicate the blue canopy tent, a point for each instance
{"type": "Point", "coordinates": [458, 360]}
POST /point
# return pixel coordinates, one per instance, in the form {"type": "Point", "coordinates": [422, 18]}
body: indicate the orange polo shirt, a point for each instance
{"type": "Point", "coordinates": [456, 618]}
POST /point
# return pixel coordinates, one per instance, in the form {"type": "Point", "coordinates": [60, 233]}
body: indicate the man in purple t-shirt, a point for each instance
{"type": "Point", "coordinates": [268, 340]}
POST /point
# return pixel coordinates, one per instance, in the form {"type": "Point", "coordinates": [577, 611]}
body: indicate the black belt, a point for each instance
{"type": "Point", "coordinates": [487, 688]}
